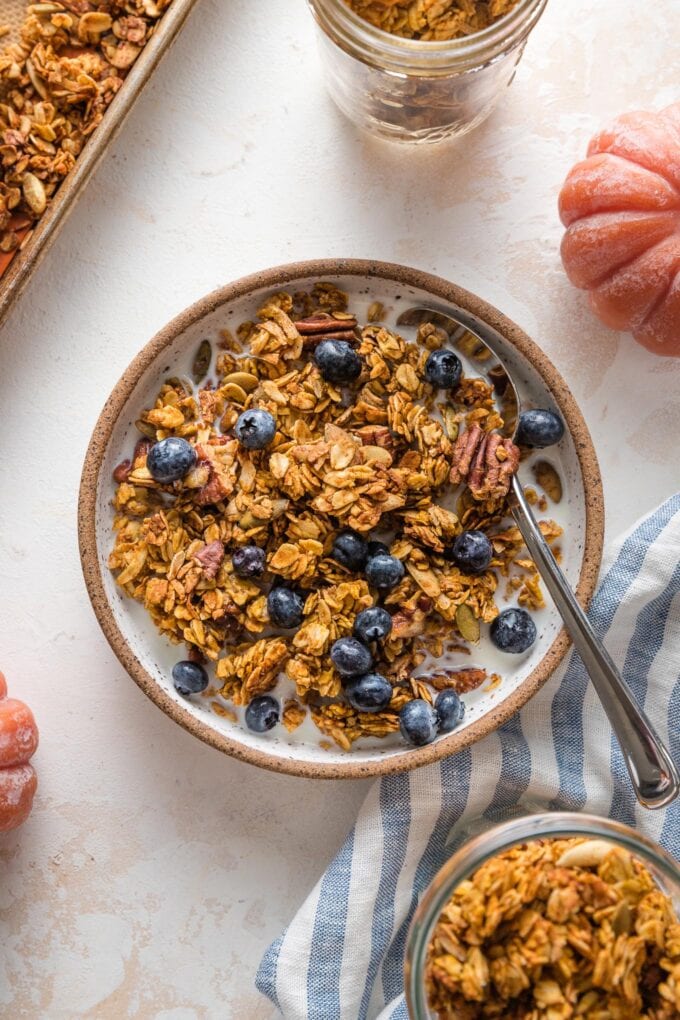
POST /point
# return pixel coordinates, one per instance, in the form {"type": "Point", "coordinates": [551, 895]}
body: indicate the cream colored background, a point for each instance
{"type": "Point", "coordinates": [153, 871]}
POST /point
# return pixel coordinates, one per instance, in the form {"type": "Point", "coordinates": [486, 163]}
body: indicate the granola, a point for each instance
{"type": "Point", "coordinates": [304, 504]}
{"type": "Point", "coordinates": [432, 20]}
{"type": "Point", "coordinates": [55, 85]}
{"type": "Point", "coordinates": [557, 929]}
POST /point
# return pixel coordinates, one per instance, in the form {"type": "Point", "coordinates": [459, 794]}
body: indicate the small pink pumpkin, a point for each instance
{"type": "Point", "coordinates": [621, 207]}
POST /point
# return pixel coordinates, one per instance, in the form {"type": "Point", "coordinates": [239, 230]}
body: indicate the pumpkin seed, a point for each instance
{"type": "Point", "coordinates": [146, 429]}
{"type": "Point", "coordinates": [467, 623]}
{"type": "Point", "coordinates": [34, 193]}
{"type": "Point", "coordinates": [245, 380]}
{"type": "Point", "coordinates": [549, 480]}
{"type": "Point", "coordinates": [202, 360]}
{"type": "Point", "coordinates": [450, 423]}
{"type": "Point", "coordinates": [178, 384]}
{"type": "Point", "coordinates": [235, 393]}
{"type": "Point", "coordinates": [622, 919]}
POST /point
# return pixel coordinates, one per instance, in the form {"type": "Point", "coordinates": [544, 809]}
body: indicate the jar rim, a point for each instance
{"type": "Point", "coordinates": [485, 845]}
{"type": "Point", "coordinates": [352, 31]}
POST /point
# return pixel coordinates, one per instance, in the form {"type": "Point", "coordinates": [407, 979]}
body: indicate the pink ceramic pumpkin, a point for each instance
{"type": "Point", "coordinates": [18, 741]}
{"type": "Point", "coordinates": [621, 207]}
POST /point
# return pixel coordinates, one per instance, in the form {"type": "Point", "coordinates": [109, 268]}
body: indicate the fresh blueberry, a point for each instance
{"type": "Point", "coordinates": [513, 630]}
{"type": "Point", "coordinates": [350, 550]}
{"type": "Point", "coordinates": [471, 551]}
{"type": "Point", "coordinates": [418, 722]}
{"type": "Point", "coordinates": [369, 693]}
{"type": "Point", "coordinates": [384, 571]}
{"type": "Point", "coordinates": [444, 369]}
{"type": "Point", "coordinates": [255, 429]}
{"type": "Point", "coordinates": [372, 624]}
{"type": "Point", "coordinates": [449, 710]}
{"type": "Point", "coordinates": [262, 714]}
{"type": "Point", "coordinates": [350, 657]}
{"type": "Point", "coordinates": [189, 678]}
{"type": "Point", "coordinates": [539, 428]}
{"type": "Point", "coordinates": [285, 607]}
{"type": "Point", "coordinates": [170, 459]}
{"type": "Point", "coordinates": [248, 561]}
{"type": "Point", "coordinates": [376, 548]}
{"type": "Point", "coordinates": [337, 361]}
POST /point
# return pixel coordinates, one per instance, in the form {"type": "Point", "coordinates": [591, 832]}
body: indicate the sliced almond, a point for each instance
{"type": "Point", "coordinates": [34, 193]}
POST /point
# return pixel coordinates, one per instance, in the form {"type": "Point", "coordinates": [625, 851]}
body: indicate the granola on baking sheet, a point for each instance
{"type": "Point", "coordinates": [247, 558]}
{"type": "Point", "coordinates": [557, 929]}
{"type": "Point", "coordinates": [432, 20]}
{"type": "Point", "coordinates": [55, 85]}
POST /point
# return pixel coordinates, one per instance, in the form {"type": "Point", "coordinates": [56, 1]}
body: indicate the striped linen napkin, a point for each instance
{"type": "Point", "coordinates": [341, 958]}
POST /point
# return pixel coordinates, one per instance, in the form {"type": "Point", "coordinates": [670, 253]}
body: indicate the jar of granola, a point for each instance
{"type": "Point", "coordinates": [428, 86]}
{"type": "Point", "coordinates": [548, 915]}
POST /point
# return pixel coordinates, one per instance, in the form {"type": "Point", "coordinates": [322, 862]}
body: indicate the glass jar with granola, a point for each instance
{"type": "Point", "coordinates": [421, 72]}
{"type": "Point", "coordinates": [545, 917]}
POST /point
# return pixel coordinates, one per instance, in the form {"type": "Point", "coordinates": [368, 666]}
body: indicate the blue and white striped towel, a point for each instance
{"type": "Point", "coordinates": [341, 957]}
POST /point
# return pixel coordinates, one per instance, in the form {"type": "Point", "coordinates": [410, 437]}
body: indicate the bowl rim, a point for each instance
{"type": "Point", "coordinates": [279, 277]}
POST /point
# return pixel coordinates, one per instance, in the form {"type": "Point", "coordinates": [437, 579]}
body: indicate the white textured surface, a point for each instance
{"type": "Point", "coordinates": [153, 871]}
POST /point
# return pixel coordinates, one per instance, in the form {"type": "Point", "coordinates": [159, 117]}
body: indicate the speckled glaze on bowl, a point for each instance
{"type": "Point", "coordinates": [148, 658]}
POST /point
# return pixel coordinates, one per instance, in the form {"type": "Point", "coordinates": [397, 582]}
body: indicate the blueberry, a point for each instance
{"type": "Point", "coordinates": [350, 550]}
{"type": "Point", "coordinates": [337, 361]}
{"type": "Point", "coordinates": [449, 710]}
{"type": "Point", "coordinates": [513, 630]}
{"type": "Point", "coordinates": [376, 548]}
{"type": "Point", "coordinates": [418, 722]}
{"type": "Point", "coordinates": [372, 624]}
{"type": "Point", "coordinates": [471, 551]}
{"type": "Point", "coordinates": [369, 693]}
{"type": "Point", "coordinates": [384, 571]}
{"type": "Point", "coordinates": [248, 561]}
{"type": "Point", "coordinates": [350, 657]}
{"type": "Point", "coordinates": [255, 429]}
{"type": "Point", "coordinates": [262, 714]}
{"type": "Point", "coordinates": [539, 429]}
{"type": "Point", "coordinates": [189, 678]}
{"type": "Point", "coordinates": [285, 607]}
{"type": "Point", "coordinates": [170, 459]}
{"type": "Point", "coordinates": [444, 369]}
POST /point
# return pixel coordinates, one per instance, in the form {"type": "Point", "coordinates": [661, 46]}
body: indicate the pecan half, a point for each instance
{"type": "Point", "coordinates": [486, 460]}
{"type": "Point", "coordinates": [121, 471]}
{"type": "Point", "coordinates": [325, 327]}
{"type": "Point", "coordinates": [494, 465]}
{"type": "Point", "coordinates": [467, 445]}
{"type": "Point", "coordinates": [212, 492]}
{"type": "Point", "coordinates": [460, 680]}
{"type": "Point", "coordinates": [210, 557]}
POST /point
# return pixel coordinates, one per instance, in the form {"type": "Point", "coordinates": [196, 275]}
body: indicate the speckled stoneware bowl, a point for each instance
{"type": "Point", "coordinates": [149, 658]}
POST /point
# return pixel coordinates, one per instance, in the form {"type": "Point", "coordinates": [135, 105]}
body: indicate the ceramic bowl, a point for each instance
{"type": "Point", "coordinates": [148, 658]}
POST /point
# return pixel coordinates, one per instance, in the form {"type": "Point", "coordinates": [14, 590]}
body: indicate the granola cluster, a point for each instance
{"type": "Point", "coordinates": [55, 86]}
{"type": "Point", "coordinates": [553, 930]}
{"type": "Point", "coordinates": [381, 457]}
{"type": "Point", "coordinates": [432, 20]}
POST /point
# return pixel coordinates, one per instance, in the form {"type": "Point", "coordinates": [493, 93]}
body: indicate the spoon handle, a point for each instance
{"type": "Point", "coordinates": [650, 766]}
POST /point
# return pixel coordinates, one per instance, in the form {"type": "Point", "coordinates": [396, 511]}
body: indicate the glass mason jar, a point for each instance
{"type": "Point", "coordinates": [416, 91]}
{"type": "Point", "coordinates": [473, 853]}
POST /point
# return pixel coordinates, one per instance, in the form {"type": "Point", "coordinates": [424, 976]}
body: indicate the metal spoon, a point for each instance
{"type": "Point", "coordinates": [651, 769]}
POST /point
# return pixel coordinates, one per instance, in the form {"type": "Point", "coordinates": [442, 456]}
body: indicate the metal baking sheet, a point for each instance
{"type": "Point", "coordinates": [13, 13]}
